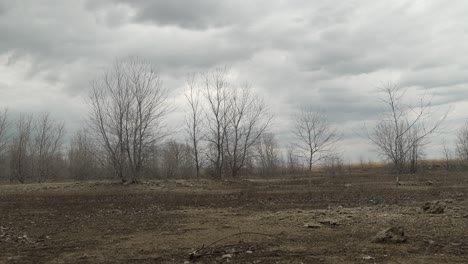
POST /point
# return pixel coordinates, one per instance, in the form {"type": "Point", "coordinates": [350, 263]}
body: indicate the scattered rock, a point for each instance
{"type": "Point", "coordinates": [226, 256]}
{"type": "Point", "coordinates": [390, 235]}
{"type": "Point", "coordinates": [448, 201]}
{"type": "Point", "coordinates": [436, 207]}
{"type": "Point", "coordinates": [312, 225]}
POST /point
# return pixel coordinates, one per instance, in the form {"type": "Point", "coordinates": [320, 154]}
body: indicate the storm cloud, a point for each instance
{"type": "Point", "coordinates": [330, 55]}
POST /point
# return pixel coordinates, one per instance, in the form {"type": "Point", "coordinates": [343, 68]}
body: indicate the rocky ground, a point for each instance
{"type": "Point", "coordinates": [346, 219]}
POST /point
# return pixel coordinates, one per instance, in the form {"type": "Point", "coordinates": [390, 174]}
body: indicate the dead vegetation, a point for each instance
{"type": "Point", "coordinates": [334, 220]}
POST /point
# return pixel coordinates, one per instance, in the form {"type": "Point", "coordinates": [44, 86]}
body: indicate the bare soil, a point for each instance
{"type": "Point", "coordinates": [330, 220]}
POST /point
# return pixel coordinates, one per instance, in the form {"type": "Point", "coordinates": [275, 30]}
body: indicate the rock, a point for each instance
{"type": "Point", "coordinates": [465, 216]}
{"type": "Point", "coordinates": [348, 185]}
{"type": "Point", "coordinates": [430, 182]}
{"type": "Point", "coordinates": [448, 201]}
{"type": "Point", "coordinates": [226, 256]}
{"type": "Point", "coordinates": [368, 258]}
{"type": "Point", "coordinates": [312, 225]}
{"type": "Point", "coordinates": [390, 235]}
{"type": "Point", "coordinates": [436, 207]}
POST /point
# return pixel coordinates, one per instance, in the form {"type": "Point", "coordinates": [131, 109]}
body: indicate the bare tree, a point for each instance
{"type": "Point", "coordinates": [217, 95]}
{"type": "Point", "coordinates": [267, 155]}
{"type": "Point", "coordinates": [333, 164]}
{"type": "Point", "coordinates": [177, 160]}
{"type": "Point", "coordinates": [20, 149]}
{"type": "Point", "coordinates": [193, 120]}
{"type": "Point", "coordinates": [447, 154]}
{"type": "Point", "coordinates": [315, 138]}
{"type": "Point", "coordinates": [462, 142]}
{"type": "Point", "coordinates": [4, 126]}
{"type": "Point", "coordinates": [247, 119]}
{"type": "Point", "coordinates": [82, 156]}
{"type": "Point", "coordinates": [47, 145]}
{"type": "Point", "coordinates": [292, 161]}
{"type": "Point", "coordinates": [128, 107]}
{"type": "Point", "coordinates": [403, 129]}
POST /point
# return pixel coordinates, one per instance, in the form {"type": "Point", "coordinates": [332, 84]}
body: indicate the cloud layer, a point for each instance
{"type": "Point", "coordinates": [331, 55]}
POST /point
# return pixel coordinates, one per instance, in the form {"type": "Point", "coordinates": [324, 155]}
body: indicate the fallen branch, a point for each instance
{"type": "Point", "coordinates": [212, 250]}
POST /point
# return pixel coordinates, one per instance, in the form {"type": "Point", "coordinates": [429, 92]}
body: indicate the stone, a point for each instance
{"type": "Point", "coordinates": [390, 235]}
{"type": "Point", "coordinates": [436, 207]}
{"type": "Point", "coordinates": [312, 225]}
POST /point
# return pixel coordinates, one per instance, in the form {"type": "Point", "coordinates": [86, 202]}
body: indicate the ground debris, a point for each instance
{"type": "Point", "coordinates": [228, 251]}
{"type": "Point", "coordinates": [436, 207]}
{"type": "Point", "coordinates": [8, 236]}
{"type": "Point", "coordinates": [312, 225]}
{"type": "Point", "coordinates": [390, 235]}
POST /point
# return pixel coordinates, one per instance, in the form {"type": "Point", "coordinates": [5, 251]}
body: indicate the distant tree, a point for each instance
{"type": "Point", "coordinates": [315, 138]}
{"type": "Point", "coordinates": [217, 97]}
{"type": "Point", "coordinates": [194, 120]}
{"type": "Point", "coordinates": [4, 126]}
{"type": "Point", "coordinates": [235, 118]}
{"type": "Point", "coordinates": [247, 119]}
{"type": "Point", "coordinates": [128, 107]}
{"type": "Point", "coordinates": [82, 156]}
{"type": "Point", "coordinates": [403, 130]}
{"type": "Point", "coordinates": [292, 160]}
{"type": "Point", "coordinates": [177, 160]}
{"type": "Point", "coordinates": [333, 164]}
{"type": "Point", "coordinates": [462, 142]}
{"type": "Point", "coordinates": [47, 145]}
{"type": "Point", "coordinates": [447, 154]}
{"type": "Point", "coordinates": [20, 149]}
{"type": "Point", "coordinates": [267, 154]}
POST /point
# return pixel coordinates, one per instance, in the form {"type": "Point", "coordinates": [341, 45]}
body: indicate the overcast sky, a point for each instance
{"type": "Point", "coordinates": [328, 54]}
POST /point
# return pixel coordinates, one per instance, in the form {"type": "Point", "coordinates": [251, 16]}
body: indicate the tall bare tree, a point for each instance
{"type": "Point", "coordinates": [128, 107]}
{"type": "Point", "coordinates": [217, 97]}
{"type": "Point", "coordinates": [47, 145]}
{"type": "Point", "coordinates": [247, 119]}
{"type": "Point", "coordinates": [403, 129]}
{"type": "Point", "coordinates": [315, 137]}
{"type": "Point", "coordinates": [194, 120]}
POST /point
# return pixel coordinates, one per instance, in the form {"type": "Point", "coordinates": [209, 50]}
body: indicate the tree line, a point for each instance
{"type": "Point", "coordinates": [227, 132]}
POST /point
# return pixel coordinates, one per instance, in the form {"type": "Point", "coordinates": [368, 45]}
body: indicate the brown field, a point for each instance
{"type": "Point", "coordinates": [255, 221]}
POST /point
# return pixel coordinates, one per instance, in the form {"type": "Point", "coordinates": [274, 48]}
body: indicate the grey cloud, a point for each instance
{"type": "Point", "coordinates": [330, 54]}
{"type": "Point", "coordinates": [199, 15]}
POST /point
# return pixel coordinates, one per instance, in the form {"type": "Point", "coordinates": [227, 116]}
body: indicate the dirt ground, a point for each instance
{"type": "Point", "coordinates": [330, 220]}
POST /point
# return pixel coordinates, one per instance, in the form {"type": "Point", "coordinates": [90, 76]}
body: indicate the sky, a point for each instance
{"type": "Point", "coordinates": [329, 55]}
